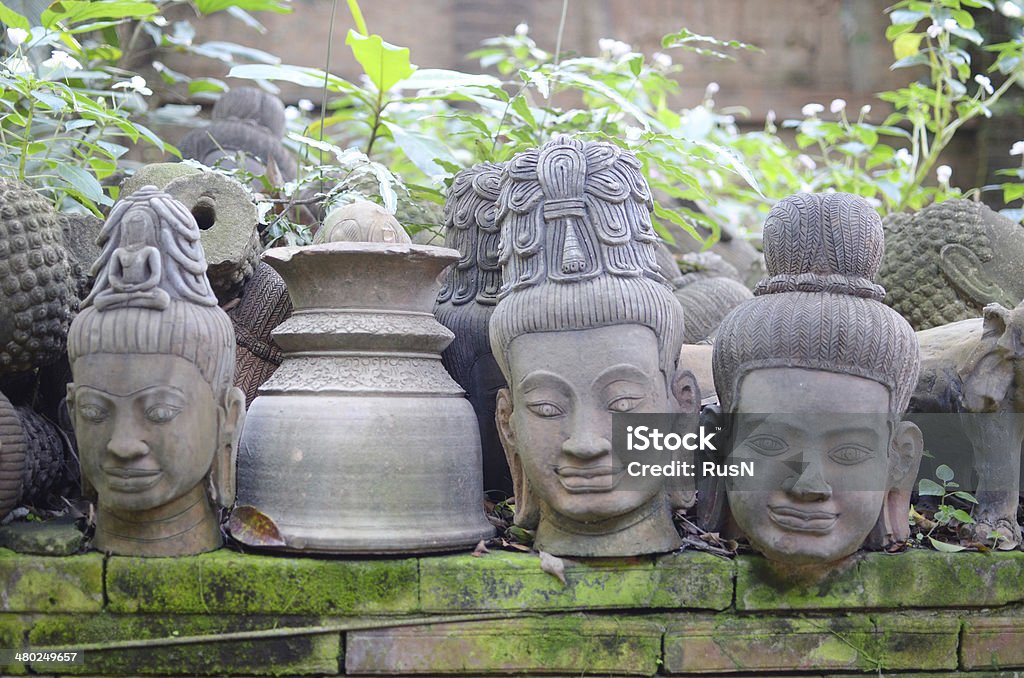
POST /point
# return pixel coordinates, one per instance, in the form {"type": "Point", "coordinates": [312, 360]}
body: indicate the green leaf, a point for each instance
{"type": "Point", "coordinates": [963, 516]}
{"type": "Point", "coordinates": [69, 12]}
{"type": "Point", "coordinates": [943, 472]}
{"type": "Point", "coordinates": [1012, 192]}
{"type": "Point", "coordinates": [12, 19]}
{"type": "Point", "coordinates": [901, 17]}
{"type": "Point", "coordinates": [435, 79]}
{"type": "Point", "coordinates": [930, 488]}
{"type": "Point", "coordinates": [82, 181]}
{"type": "Point", "coordinates": [206, 85]}
{"type": "Point", "coordinates": [421, 150]}
{"type": "Point", "coordinates": [522, 108]}
{"type": "Point", "coordinates": [385, 64]}
{"type": "Point", "coordinates": [944, 547]}
{"type": "Point", "coordinates": [906, 46]}
{"type": "Point", "coordinates": [211, 6]}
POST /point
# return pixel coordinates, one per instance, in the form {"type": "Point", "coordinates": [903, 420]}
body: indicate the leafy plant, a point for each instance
{"type": "Point", "coordinates": [67, 122]}
{"type": "Point", "coordinates": [946, 514]}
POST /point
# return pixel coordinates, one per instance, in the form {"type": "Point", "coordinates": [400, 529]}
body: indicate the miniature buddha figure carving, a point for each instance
{"type": "Point", "coordinates": [154, 410]}
{"type": "Point", "coordinates": [585, 327]}
{"type": "Point", "coordinates": [817, 373]}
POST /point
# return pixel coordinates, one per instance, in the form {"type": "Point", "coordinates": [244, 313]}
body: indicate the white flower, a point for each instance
{"type": "Point", "coordinates": [865, 109]}
{"type": "Point", "coordinates": [19, 65]}
{"type": "Point", "coordinates": [160, 21]}
{"type": "Point", "coordinates": [807, 161]}
{"type": "Point", "coordinates": [61, 59]}
{"type": "Point", "coordinates": [769, 117]}
{"type": "Point", "coordinates": [943, 173]}
{"type": "Point", "coordinates": [986, 83]}
{"type": "Point", "coordinates": [811, 110]}
{"type": "Point", "coordinates": [712, 89]}
{"type": "Point", "coordinates": [291, 113]}
{"type": "Point", "coordinates": [661, 59]}
{"type": "Point", "coordinates": [1010, 9]}
{"type": "Point", "coordinates": [522, 29]}
{"type": "Point", "coordinates": [137, 84]}
{"type": "Point", "coordinates": [934, 31]}
{"type": "Point", "coordinates": [615, 48]}
{"type": "Point", "coordinates": [305, 105]}
{"type": "Point", "coordinates": [949, 24]}
{"type": "Point", "coordinates": [1017, 148]}
{"type": "Point", "coordinates": [837, 105]}
{"type": "Point", "coordinates": [633, 133]}
{"type": "Point", "coordinates": [903, 156]}
{"type": "Point", "coordinates": [17, 36]}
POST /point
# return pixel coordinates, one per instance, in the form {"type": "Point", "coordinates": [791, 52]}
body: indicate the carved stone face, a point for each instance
{"type": "Point", "coordinates": [147, 427]}
{"type": "Point", "coordinates": [821, 462]}
{"type": "Point", "coordinates": [565, 388]}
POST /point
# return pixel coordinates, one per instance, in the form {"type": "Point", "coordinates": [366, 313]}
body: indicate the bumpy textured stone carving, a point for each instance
{"type": "Point", "coordinates": [818, 372]}
{"type": "Point", "coordinates": [263, 306]}
{"type": "Point", "coordinates": [155, 413]}
{"type": "Point", "coordinates": [466, 302]}
{"type": "Point", "coordinates": [245, 122]}
{"type": "Point", "coordinates": [373, 432]}
{"type": "Point", "coordinates": [948, 261]}
{"type": "Point", "coordinates": [37, 290]}
{"type": "Point", "coordinates": [585, 326]}
{"type": "Point", "coordinates": [975, 368]}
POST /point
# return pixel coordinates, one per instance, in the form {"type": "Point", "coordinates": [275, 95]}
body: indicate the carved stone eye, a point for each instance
{"type": "Point", "coordinates": [848, 455]}
{"type": "Point", "coordinates": [768, 445]}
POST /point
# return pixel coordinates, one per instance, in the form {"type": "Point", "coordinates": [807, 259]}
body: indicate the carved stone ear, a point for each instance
{"type": "Point", "coordinates": [686, 391]}
{"type": "Point", "coordinates": [527, 508]}
{"type": "Point", "coordinates": [905, 451]}
{"type": "Point", "coordinates": [222, 474]}
{"type": "Point", "coordinates": [964, 270]}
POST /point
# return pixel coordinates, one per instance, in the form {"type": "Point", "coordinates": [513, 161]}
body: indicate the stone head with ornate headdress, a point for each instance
{"type": "Point", "coordinates": [817, 372]}
{"type": "Point", "coordinates": [585, 327]}
{"type": "Point", "coordinates": [155, 413]}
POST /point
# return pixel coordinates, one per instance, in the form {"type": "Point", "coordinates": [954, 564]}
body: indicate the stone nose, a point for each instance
{"type": "Point", "coordinates": [809, 484]}
{"type": "Point", "coordinates": [126, 441]}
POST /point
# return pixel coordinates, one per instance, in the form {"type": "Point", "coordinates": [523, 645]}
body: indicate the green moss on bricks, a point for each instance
{"type": "Point", "coordinates": [571, 645]}
{"type": "Point", "coordinates": [839, 642]}
{"type": "Point", "coordinates": [234, 583]}
{"type": "Point", "coordinates": [512, 581]}
{"type": "Point", "coordinates": [916, 578]}
{"type": "Point", "coordinates": [13, 630]}
{"type": "Point", "coordinates": [46, 584]}
{"type": "Point", "coordinates": [295, 655]}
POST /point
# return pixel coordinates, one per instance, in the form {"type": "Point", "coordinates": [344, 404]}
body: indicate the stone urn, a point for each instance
{"type": "Point", "coordinates": [361, 442]}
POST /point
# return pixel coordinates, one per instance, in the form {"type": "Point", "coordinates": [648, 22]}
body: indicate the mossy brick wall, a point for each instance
{"type": "Point", "coordinates": [227, 613]}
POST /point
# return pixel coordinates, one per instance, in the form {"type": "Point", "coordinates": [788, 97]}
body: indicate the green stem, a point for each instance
{"type": "Point", "coordinates": [28, 139]}
{"type": "Point", "coordinates": [377, 111]}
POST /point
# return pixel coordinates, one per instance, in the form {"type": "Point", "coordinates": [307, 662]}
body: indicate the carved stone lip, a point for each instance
{"type": "Point", "coordinates": [126, 479]}
{"type": "Point", "coordinates": [799, 520]}
{"type": "Point", "coordinates": [583, 479]}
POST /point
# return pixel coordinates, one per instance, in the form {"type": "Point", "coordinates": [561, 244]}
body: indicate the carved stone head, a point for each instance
{"type": "Point", "coordinates": [466, 301]}
{"type": "Point", "coordinates": [585, 327]}
{"type": "Point", "coordinates": [948, 261]}
{"type": "Point", "coordinates": [817, 371]}
{"type": "Point", "coordinates": [361, 221]}
{"type": "Point", "coordinates": [155, 413]}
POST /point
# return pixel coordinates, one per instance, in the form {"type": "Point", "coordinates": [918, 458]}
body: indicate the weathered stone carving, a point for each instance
{"type": "Point", "coordinates": [585, 326]}
{"type": "Point", "coordinates": [974, 368]}
{"type": "Point", "coordinates": [361, 221]}
{"type": "Point", "coordinates": [818, 372]}
{"type": "Point", "coordinates": [37, 290]}
{"type": "Point", "coordinates": [155, 413]}
{"type": "Point", "coordinates": [373, 432]}
{"type": "Point", "coordinates": [246, 122]}
{"type": "Point", "coordinates": [948, 261]}
{"type": "Point", "coordinates": [466, 302]}
{"type": "Point", "coordinates": [253, 294]}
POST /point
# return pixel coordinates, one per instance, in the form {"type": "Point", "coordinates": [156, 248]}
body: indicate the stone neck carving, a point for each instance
{"type": "Point", "coordinates": [185, 526]}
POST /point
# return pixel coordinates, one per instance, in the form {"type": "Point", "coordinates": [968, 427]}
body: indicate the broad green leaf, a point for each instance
{"type": "Point", "coordinates": [421, 150]}
{"type": "Point", "coordinates": [12, 19]}
{"type": "Point", "coordinates": [930, 488]}
{"type": "Point", "coordinates": [900, 17]}
{"type": "Point", "coordinates": [944, 547]}
{"type": "Point", "coordinates": [206, 85]}
{"type": "Point", "coordinates": [70, 12]}
{"type": "Point", "coordinates": [385, 64]}
{"type": "Point", "coordinates": [522, 108]}
{"type": "Point", "coordinates": [944, 472]}
{"type": "Point", "coordinates": [444, 79]}
{"type": "Point", "coordinates": [963, 516]}
{"type": "Point", "coordinates": [82, 181]}
{"type": "Point", "coordinates": [538, 80]}
{"type": "Point", "coordinates": [906, 45]}
{"type": "Point", "coordinates": [211, 6]}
